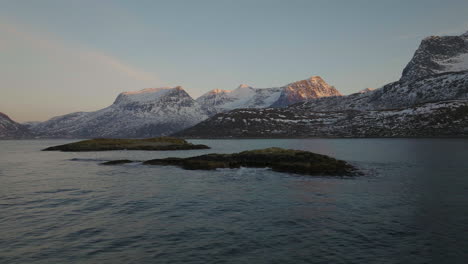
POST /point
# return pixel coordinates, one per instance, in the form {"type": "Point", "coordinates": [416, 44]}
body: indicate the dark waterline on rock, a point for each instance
{"type": "Point", "coordinates": [64, 208]}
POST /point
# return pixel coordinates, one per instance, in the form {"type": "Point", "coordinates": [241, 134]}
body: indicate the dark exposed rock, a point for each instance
{"type": "Point", "coordinates": [436, 54]}
{"type": "Point", "coordinates": [117, 162]}
{"type": "Point", "coordinates": [105, 144]}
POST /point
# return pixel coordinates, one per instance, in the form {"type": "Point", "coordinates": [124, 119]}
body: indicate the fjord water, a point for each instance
{"type": "Point", "coordinates": [411, 206]}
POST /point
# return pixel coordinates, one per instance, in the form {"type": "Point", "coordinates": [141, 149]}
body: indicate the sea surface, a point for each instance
{"type": "Point", "coordinates": [411, 206]}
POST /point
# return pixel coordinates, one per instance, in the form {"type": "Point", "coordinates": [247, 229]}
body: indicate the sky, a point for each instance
{"type": "Point", "coordinates": [63, 56]}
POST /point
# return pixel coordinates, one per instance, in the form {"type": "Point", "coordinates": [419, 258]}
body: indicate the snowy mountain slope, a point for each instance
{"type": "Point", "coordinates": [244, 96]}
{"type": "Point", "coordinates": [438, 54]}
{"type": "Point", "coordinates": [162, 111]}
{"type": "Point", "coordinates": [448, 118]}
{"type": "Point", "coordinates": [439, 87]}
{"type": "Point", "coordinates": [438, 71]}
{"type": "Point", "coordinates": [10, 129]}
{"type": "Point", "coordinates": [146, 113]}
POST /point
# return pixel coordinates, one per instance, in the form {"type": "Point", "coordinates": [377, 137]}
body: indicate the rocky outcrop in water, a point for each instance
{"type": "Point", "coordinates": [105, 144]}
{"type": "Point", "coordinates": [278, 159]}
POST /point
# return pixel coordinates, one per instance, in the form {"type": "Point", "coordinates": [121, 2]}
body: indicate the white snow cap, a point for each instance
{"type": "Point", "coordinates": [148, 90]}
{"type": "Point", "coordinates": [145, 95]}
{"type": "Point", "coordinates": [465, 34]}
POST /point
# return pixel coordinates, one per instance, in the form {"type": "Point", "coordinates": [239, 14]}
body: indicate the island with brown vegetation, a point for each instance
{"type": "Point", "coordinates": [278, 159]}
{"type": "Point", "coordinates": [106, 144]}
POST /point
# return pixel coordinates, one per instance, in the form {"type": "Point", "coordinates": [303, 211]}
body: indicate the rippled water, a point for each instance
{"type": "Point", "coordinates": [410, 207]}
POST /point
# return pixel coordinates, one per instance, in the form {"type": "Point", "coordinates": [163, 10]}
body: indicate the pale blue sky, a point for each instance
{"type": "Point", "coordinates": [63, 56]}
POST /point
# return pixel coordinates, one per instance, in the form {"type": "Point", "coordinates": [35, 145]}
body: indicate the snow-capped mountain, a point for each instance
{"type": "Point", "coordinates": [10, 129]}
{"type": "Point", "coordinates": [430, 99]}
{"type": "Point", "coordinates": [312, 88]}
{"type": "Point", "coordinates": [438, 71]}
{"type": "Point", "coordinates": [145, 113]}
{"type": "Point", "coordinates": [163, 111]}
{"type": "Point", "coordinates": [433, 88]}
{"type": "Point", "coordinates": [438, 54]}
{"type": "Point", "coordinates": [244, 96]}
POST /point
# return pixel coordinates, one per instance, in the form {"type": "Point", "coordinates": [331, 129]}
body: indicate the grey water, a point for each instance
{"type": "Point", "coordinates": [410, 206]}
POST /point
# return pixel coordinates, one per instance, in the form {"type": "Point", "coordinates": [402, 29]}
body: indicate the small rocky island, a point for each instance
{"type": "Point", "coordinates": [278, 159]}
{"type": "Point", "coordinates": [105, 144]}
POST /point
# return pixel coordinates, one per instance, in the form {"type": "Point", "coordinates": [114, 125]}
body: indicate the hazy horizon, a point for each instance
{"type": "Point", "coordinates": [61, 57]}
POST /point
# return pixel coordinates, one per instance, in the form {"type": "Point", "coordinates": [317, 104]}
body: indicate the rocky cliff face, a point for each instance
{"type": "Point", "coordinates": [10, 129]}
{"type": "Point", "coordinates": [301, 91]}
{"type": "Point", "coordinates": [437, 55]}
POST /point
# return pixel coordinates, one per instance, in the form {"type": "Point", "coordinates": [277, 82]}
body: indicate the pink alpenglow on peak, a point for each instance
{"type": "Point", "coordinates": [243, 86]}
{"type": "Point", "coordinates": [366, 90]}
{"type": "Point", "coordinates": [312, 88]}
{"type": "Point", "coordinates": [218, 91]}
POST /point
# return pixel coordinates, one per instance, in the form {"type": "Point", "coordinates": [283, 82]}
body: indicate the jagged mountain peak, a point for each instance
{"type": "Point", "coordinates": [311, 88]}
{"type": "Point", "coordinates": [316, 78]}
{"type": "Point", "coordinates": [216, 91]}
{"type": "Point", "coordinates": [247, 97]}
{"type": "Point", "coordinates": [309, 83]}
{"type": "Point", "coordinates": [437, 54]}
{"type": "Point", "coordinates": [316, 84]}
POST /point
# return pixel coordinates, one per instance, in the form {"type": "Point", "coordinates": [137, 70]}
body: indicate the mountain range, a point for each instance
{"type": "Point", "coordinates": [163, 111]}
{"type": "Point", "coordinates": [430, 99]}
